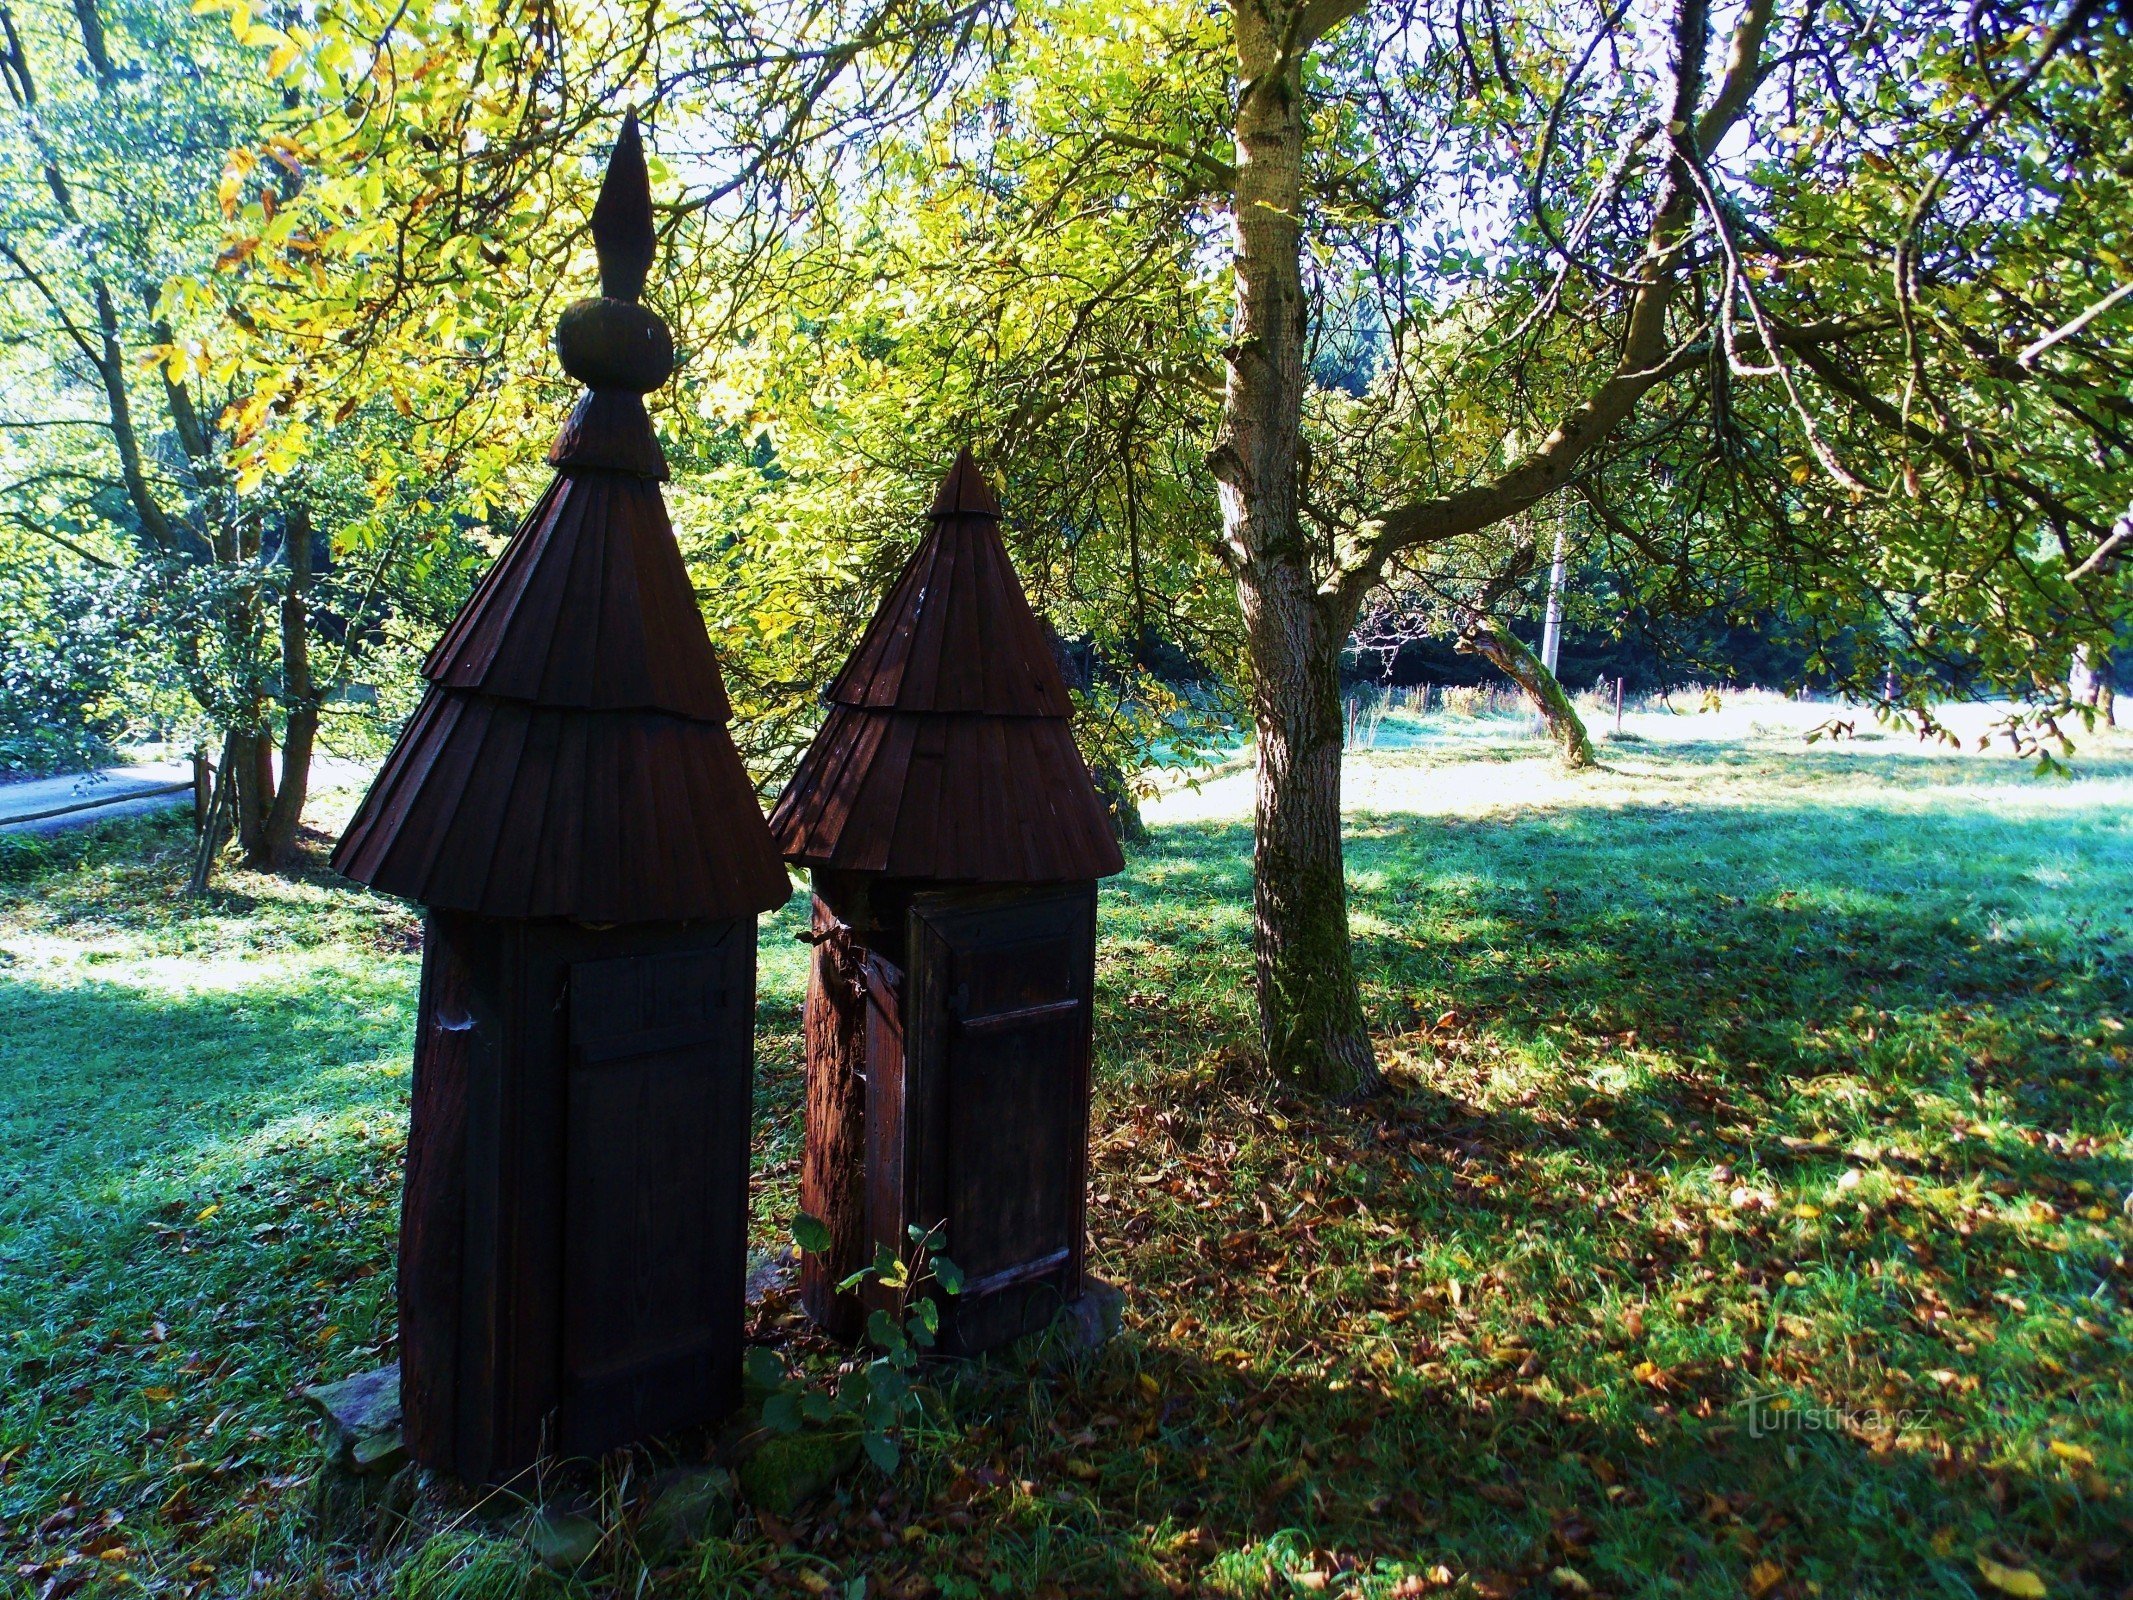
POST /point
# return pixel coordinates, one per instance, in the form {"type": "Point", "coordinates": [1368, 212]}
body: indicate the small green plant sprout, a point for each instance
{"type": "Point", "coordinates": [875, 1399]}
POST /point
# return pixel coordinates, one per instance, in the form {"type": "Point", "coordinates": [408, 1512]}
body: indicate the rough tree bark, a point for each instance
{"type": "Point", "coordinates": [252, 773]}
{"type": "Point", "coordinates": [1310, 1010]}
{"type": "Point", "coordinates": [1299, 603]}
{"type": "Point", "coordinates": [277, 835]}
{"type": "Point", "coordinates": [833, 1162]}
{"type": "Point", "coordinates": [1504, 651]}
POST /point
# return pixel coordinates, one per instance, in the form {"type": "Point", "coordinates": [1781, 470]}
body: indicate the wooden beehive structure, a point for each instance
{"type": "Point", "coordinates": [568, 807]}
{"type": "Point", "coordinates": [955, 838]}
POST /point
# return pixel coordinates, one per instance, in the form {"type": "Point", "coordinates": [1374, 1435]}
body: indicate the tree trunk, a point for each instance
{"type": "Point", "coordinates": [1552, 623]}
{"type": "Point", "coordinates": [252, 772]}
{"type": "Point", "coordinates": [1311, 1021]}
{"type": "Point", "coordinates": [1504, 651]}
{"type": "Point", "coordinates": [219, 809]}
{"type": "Point", "coordinates": [1310, 1010]}
{"type": "Point", "coordinates": [277, 843]}
{"type": "Point", "coordinates": [1127, 825]}
{"type": "Point", "coordinates": [833, 1160]}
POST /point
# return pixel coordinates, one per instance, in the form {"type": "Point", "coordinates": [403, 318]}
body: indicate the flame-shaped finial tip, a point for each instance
{"type": "Point", "coordinates": [622, 218]}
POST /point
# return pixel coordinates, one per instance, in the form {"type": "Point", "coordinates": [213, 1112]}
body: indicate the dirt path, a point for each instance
{"type": "Point", "coordinates": [19, 800]}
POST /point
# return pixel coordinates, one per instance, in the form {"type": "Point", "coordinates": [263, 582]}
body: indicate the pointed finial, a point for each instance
{"type": "Point", "coordinates": [622, 218]}
{"type": "Point", "coordinates": [964, 492]}
{"type": "Point", "coordinates": [614, 343]}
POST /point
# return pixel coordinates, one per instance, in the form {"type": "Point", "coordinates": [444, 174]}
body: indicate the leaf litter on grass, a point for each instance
{"type": "Point", "coordinates": [1747, 1215]}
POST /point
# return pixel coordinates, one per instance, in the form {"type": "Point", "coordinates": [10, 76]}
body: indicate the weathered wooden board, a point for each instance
{"type": "Point", "coordinates": [948, 753]}
{"type": "Point", "coordinates": [575, 1240]}
{"type": "Point", "coordinates": [977, 1099]}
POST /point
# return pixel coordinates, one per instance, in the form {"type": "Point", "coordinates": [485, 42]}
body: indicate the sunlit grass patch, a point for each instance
{"type": "Point", "coordinates": [1734, 1086]}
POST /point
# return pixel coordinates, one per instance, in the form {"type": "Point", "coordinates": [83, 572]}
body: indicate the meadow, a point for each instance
{"type": "Point", "coordinates": [1748, 1212]}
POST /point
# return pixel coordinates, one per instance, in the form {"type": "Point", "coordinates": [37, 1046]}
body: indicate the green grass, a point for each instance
{"type": "Point", "coordinates": [1735, 1072]}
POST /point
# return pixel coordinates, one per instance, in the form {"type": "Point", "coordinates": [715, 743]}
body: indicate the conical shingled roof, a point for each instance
{"type": "Point", "coordinates": [948, 754]}
{"type": "Point", "coordinates": [570, 757]}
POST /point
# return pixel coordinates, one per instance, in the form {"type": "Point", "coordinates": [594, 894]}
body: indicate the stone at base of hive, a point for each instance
{"type": "Point", "coordinates": [769, 1275]}
{"type": "Point", "coordinates": [363, 1422]}
{"type": "Point", "coordinates": [1093, 1319]}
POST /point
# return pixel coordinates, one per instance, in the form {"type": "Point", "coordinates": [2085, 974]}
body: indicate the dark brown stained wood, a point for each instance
{"type": "Point", "coordinates": [433, 1203]}
{"type": "Point", "coordinates": [888, 1205]}
{"type": "Point", "coordinates": [973, 799]}
{"type": "Point", "coordinates": [956, 632]}
{"type": "Point", "coordinates": [655, 1207]}
{"type": "Point", "coordinates": [610, 429]}
{"type": "Point", "coordinates": [589, 605]}
{"type": "Point", "coordinates": [983, 1110]}
{"type": "Point", "coordinates": [581, 1285]}
{"type": "Point", "coordinates": [833, 1164]}
{"type": "Point", "coordinates": [948, 753]}
{"type": "Point", "coordinates": [571, 758]}
{"type": "Point", "coordinates": [568, 805]}
{"type": "Point", "coordinates": [622, 217]}
{"type": "Point", "coordinates": [511, 810]}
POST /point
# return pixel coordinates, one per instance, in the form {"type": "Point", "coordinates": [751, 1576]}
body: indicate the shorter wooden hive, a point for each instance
{"type": "Point", "coordinates": [955, 838]}
{"type": "Point", "coordinates": [567, 805]}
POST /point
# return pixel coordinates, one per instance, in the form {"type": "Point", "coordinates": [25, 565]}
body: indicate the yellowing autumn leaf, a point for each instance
{"type": "Point", "coordinates": [2017, 1581]}
{"type": "Point", "coordinates": [2073, 1453]}
{"type": "Point", "coordinates": [1763, 1577]}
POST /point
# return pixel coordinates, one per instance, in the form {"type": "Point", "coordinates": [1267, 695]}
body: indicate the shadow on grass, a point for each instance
{"type": "Point", "coordinates": [1693, 1105]}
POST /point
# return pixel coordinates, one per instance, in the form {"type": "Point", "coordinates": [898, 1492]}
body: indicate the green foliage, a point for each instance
{"type": "Point", "coordinates": [471, 1566]}
{"type": "Point", "coordinates": [74, 676]}
{"type": "Point", "coordinates": [876, 1400]}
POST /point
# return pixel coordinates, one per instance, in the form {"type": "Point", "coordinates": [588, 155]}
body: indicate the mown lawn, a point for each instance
{"type": "Point", "coordinates": [1748, 1214]}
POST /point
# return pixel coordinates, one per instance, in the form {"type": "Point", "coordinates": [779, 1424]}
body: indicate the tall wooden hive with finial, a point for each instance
{"type": "Point", "coordinates": [569, 809]}
{"type": "Point", "coordinates": [955, 838]}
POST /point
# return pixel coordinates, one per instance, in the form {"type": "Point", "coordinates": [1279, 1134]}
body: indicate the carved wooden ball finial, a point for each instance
{"type": "Point", "coordinates": [613, 342]}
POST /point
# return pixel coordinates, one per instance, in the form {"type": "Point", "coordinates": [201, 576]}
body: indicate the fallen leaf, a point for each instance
{"type": "Point", "coordinates": [813, 1582]}
{"type": "Point", "coordinates": [2073, 1453]}
{"type": "Point", "coordinates": [1763, 1577]}
{"type": "Point", "coordinates": [1311, 1582]}
{"type": "Point", "coordinates": [1570, 1580]}
{"type": "Point", "coordinates": [2017, 1581]}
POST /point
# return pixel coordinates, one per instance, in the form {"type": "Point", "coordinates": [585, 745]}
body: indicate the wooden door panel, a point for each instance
{"type": "Point", "coordinates": [996, 1071]}
{"type": "Point", "coordinates": [885, 1197]}
{"type": "Point", "coordinates": [1015, 1127]}
{"type": "Point", "coordinates": [654, 1189]}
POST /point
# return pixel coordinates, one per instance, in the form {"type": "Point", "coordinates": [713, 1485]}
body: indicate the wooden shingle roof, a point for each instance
{"type": "Point", "coordinates": [948, 753]}
{"type": "Point", "coordinates": [570, 756]}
